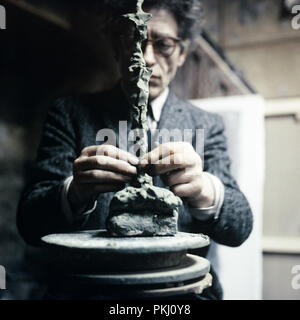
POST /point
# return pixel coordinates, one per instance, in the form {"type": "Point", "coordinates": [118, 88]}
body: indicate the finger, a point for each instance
{"type": "Point", "coordinates": [181, 176]}
{"type": "Point", "coordinates": [181, 159]}
{"type": "Point", "coordinates": [89, 151]}
{"type": "Point", "coordinates": [111, 151]}
{"type": "Point", "coordinates": [100, 176]}
{"type": "Point", "coordinates": [161, 169]}
{"type": "Point", "coordinates": [185, 190]}
{"type": "Point", "coordinates": [158, 153]}
{"type": "Point", "coordinates": [104, 163]}
{"type": "Point", "coordinates": [165, 150]}
{"type": "Point", "coordinates": [170, 163]}
{"type": "Point", "coordinates": [116, 153]}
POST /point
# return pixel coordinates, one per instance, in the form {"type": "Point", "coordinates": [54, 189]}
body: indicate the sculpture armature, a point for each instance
{"type": "Point", "coordinates": [142, 209]}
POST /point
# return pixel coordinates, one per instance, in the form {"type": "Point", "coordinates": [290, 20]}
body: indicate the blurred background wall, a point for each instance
{"type": "Point", "coordinates": [52, 48]}
{"type": "Point", "coordinates": [258, 39]}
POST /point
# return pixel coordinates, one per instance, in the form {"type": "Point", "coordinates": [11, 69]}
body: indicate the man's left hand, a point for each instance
{"type": "Point", "coordinates": [180, 168]}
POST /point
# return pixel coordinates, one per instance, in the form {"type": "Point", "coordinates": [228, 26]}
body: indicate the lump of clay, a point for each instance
{"type": "Point", "coordinates": [147, 211]}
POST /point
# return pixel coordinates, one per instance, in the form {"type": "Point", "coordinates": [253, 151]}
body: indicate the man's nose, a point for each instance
{"type": "Point", "coordinates": [149, 55]}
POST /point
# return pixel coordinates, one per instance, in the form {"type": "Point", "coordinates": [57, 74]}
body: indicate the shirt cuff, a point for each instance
{"type": "Point", "coordinates": [204, 214]}
{"type": "Point", "coordinates": [66, 207]}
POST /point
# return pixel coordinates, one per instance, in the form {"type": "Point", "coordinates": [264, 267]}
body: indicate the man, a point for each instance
{"type": "Point", "coordinates": [75, 179]}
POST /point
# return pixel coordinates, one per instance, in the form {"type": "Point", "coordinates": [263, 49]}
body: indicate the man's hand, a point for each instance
{"type": "Point", "coordinates": [180, 168]}
{"type": "Point", "coordinates": [99, 169]}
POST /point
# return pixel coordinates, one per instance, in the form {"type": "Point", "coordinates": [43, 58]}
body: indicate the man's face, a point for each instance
{"type": "Point", "coordinates": [162, 34]}
{"type": "Point", "coordinates": [162, 25]}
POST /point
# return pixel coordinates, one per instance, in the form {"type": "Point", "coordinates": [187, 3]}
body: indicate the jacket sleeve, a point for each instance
{"type": "Point", "coordinates": [39, 211]}
{"type": "Point", "coordinates": [235, 220]}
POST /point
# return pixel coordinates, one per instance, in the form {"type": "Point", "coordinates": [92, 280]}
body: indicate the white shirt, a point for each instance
{"type": "Point", "coordinates": [157, 106]}
{"type": "Point", "coordinates": [202, 214]}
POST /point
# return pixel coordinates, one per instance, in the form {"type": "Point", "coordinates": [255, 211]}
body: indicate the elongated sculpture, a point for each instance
{"type": "Point", "coordinates": [142, 209]}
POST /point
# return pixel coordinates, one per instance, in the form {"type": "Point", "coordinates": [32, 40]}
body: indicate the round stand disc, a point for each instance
{"type": "Point", "coordinates": [191, 277]}
{"type": "Point", "coordinates": [99, 240]}
{"type": "Point", "coordinates": [193, 267]}
{"type": "Point", "coordinates": [94, 252]}
{"type": "Point", "coordinates": [196, 287]}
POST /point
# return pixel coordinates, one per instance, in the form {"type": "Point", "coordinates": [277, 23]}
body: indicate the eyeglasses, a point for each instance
{"type": "Point", "coordinates": [164, 47]}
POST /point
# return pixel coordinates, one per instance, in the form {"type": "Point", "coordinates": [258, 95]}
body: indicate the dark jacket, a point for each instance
{"type": "Point", "coordinates": [72, 124]}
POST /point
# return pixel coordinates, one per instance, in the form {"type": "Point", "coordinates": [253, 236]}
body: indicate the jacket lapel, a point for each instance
{"type": "Point", "coordinates": [172, 116]}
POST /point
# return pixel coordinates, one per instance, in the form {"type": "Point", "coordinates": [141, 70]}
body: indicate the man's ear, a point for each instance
{"type": "Point", "coordinates": [183, 54]}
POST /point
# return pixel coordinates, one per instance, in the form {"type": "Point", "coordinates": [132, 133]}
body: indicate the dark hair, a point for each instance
{"type": "Point", "coordinates": [188, 13]}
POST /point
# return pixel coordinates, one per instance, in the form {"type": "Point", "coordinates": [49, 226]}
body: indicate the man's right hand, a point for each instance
{"type": "Point", "coordinates": [99, 169]}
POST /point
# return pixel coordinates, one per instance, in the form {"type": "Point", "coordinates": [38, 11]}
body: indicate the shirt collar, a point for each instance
{"type": "Point", "coordinates": [158, 103]}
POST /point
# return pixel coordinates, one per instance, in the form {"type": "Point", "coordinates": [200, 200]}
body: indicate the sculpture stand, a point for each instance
{"type": "Point", "coordinates": [93, 265]}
